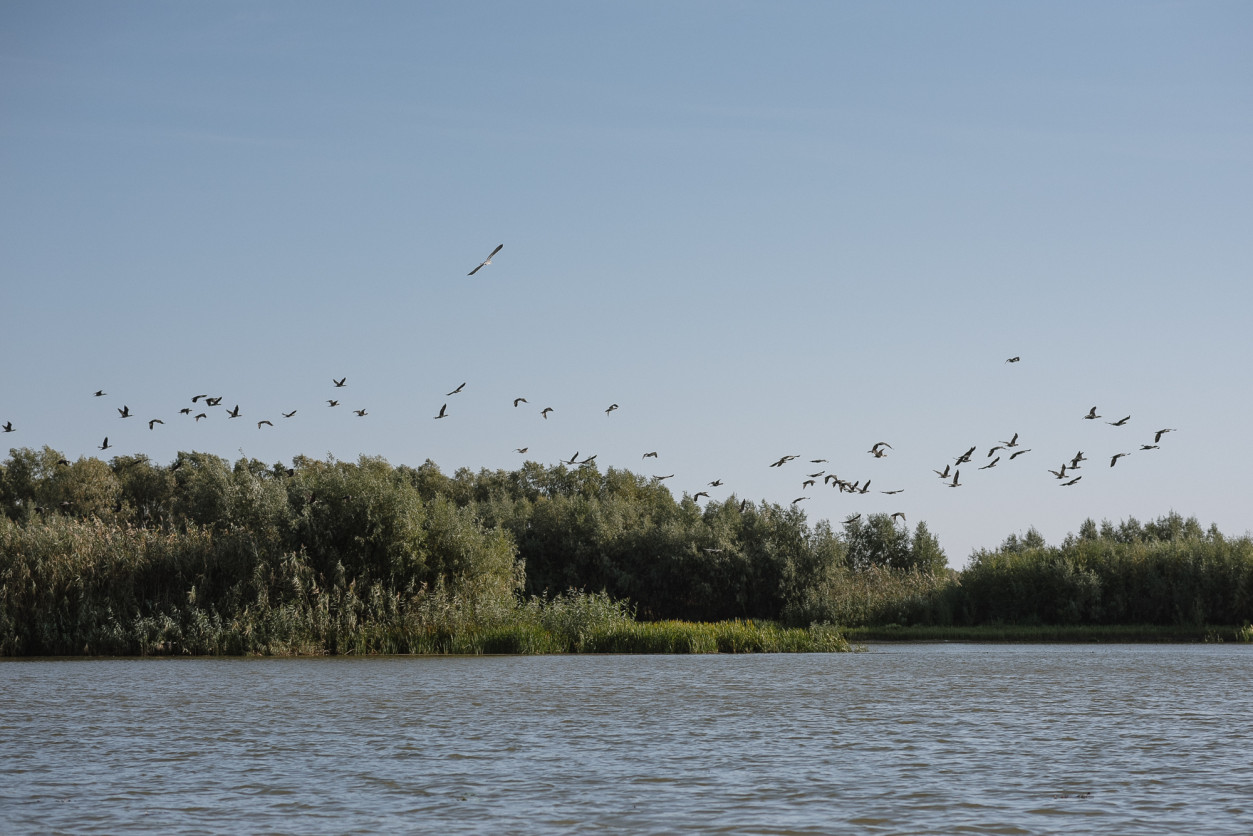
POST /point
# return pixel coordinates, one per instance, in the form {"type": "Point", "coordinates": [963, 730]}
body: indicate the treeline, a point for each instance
{"type": "Point", "coordinates": [205, 556]}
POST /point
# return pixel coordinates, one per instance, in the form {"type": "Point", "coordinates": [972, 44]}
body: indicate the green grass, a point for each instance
{"type": "Point", "coordinates": [1075, 634]}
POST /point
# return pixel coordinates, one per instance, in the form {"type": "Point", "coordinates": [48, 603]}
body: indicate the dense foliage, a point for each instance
{"type": "Point", "coordinates": [202, 556]}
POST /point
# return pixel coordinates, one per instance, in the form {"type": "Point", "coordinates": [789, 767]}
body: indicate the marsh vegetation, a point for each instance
{"type": "Point", "coordinates": [202, 556]}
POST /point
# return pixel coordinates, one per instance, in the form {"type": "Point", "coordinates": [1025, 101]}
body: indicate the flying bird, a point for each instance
{"type": "Point", "coordinates": [185, 411]}
{"type": "Point", "coordinates": [1071, 482]}
{"type": "Point", "coordinates": [783, 461]}
{"type": "Point", "coordinates": [105, 446]}
{"type": "Point", "coordinates": [213, 401]}
{"type": "Point", "coordinates": [1149, 447]}
{"type": "Point", "coordinates": [955, 483]}
{"type": "Point", "coordinates": [1091, 414]}
{"type": "Point", "coordinates": [125, 411]}
{"type": "Point", "coordinates": [263, 423]}
{"type": "Point", "coordinates": [100, 393]}
{"type": "Point", "coordinates": [799, 499]}
{"type": "Point", "coordinates": [289, 414]}
{"type": "Point", "coordinates": [890, 493]}
{"type": "Point", "coordinates": [1119, 422]}
{"type": "Point", "coordinates": [455, 391]}
{"type": "Point", "coordinates": [1013, 442]}
{"type": "Point", "coordinates": [991, 464]}
{"type": "Point", "coordinates": [659, 478]}
{"type": "Point", "coordinates": [521, 449]}
{"type": "Point", "coordinates": [900, 514]}
{"type": "Point", "coordinates": [233, 413]}
{"type": "Point", "coordinates": [965, 457]}
{"type": "Point", "coordinates": [698, 495]}
{"type": "Point", "coordinates": [651, 455]}
{"type": "Point", "coordinates": [8, 426]}
{"type": "Point", "coordinates": [943, 475]}
{"type": "Point", "coordinates": [339, 383]}
{"type": "Point", "coordinates": [611, 408]}
{"type": "Point", "coordinates": [200, 415]}
{"type": "Point", "coordinates": [155, 421]}
{"type": "Point", "coordinates": [198, 397]}
{"type": "Point", "coordinates": [517, 401]}
{"type": "Point", "coordinates": [1113, 461]}
{"type": "Point", "coordinates": [715, 483]}
{"type": "Point", "coordinates": [1019, 453]}
{"type": "Point", "coordinates": [545, 412]}
{"type": "Point", "coordinates": [332, 403]}
{"type": "Point", "coordinates": [1157, 436]}
{"type": "Point", "coordinates": [1013, 359]}
{"type": "Point", "coordinates": [360, 413]}
{"type": "Point", "coordinates": [442, 412]}
{"type": "Point", "coordinates": [487, 260]}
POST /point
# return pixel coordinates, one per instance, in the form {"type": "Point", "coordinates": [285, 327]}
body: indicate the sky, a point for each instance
{"type": "Point", "coordinates": [760, 228]}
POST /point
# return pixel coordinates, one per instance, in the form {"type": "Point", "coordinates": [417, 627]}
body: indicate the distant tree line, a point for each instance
{"type": "Point", "coordinates": [202, 555]}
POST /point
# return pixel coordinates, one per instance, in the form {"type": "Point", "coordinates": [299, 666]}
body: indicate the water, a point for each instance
{"type": "Point", "coordinates": [901, 739]}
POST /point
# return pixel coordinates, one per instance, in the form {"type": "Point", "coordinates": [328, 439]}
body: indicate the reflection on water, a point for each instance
{"type": "Point", "coordinates": [901, 739]}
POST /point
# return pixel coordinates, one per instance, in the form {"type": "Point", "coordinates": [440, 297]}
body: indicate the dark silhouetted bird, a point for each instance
{"type": "Point", "coordinates": [1114, 460]}
{"type": "Point", "coordinates": [360, 413]}
{"type": "Point", "coordinates": [332, 403]}
{"type": "Point", "coordinates": [289, 414]}
{"type": "Point", "coordinates": [1149, 447]}
{"type": "Point", "coordinates": [455, 391]}
{"type": "Point", "coordinates": [1157, 436]}
{"type": "Point", "coordinates": [125, 411]}
{"type": "Point", "coordinates": [8, 427]}
{"type": "Point", "coordinates": [1013, 442]}
{"type": "Point", "coordinates": [154, 421]}
{"type": "Point", "coordinates": [1071, 482]}
{"type": "Point", "coordinates": [339, 383]}
{"type": "Point", "coordinates": [544, 412]}
{"type": "Point", "coordinates": [696, 497]}
{"type": "Point", "coordinates": [611, 408]}
{"type": "Point", "coordinates": [659, 478]}
{"type": "Point", "coordinates": [200, 415]}
{"type": "Point", "coordinates": [263, 423]}
{"type": "Point", "coordinates": [900, 514]}
{"type": "Point", "coordinates": [185, 411]}
{"type": "Point", "coordinates": [487, 260]}
{"type": "Point", "coordinates": [233, 413]}
{"type": "Point", "coordinates": [1092, 414]}
{"type": "Point", "coordinates": [890, 493]}
{"type": "Point", "coordinates": [991, 464]}
{"type": "Point", "coordinates": [521, 449]}
{"type": "Point", "coordinates": [1013, 359]}
{"type": "Point", "coordinates": [1019, 453]}
{"type": "Point", "coordinates": [651, 455]}
{"type": "Point", "coordinates": [105, 446]}
{"type": "Point", "coordinates": [442, 412]}
{"type": "Point", "coordinates": [517, 401]}
{"type": "Point", "coordinates": [100, 393]}
{"type": "Point", "coordinates": [1119, 422]}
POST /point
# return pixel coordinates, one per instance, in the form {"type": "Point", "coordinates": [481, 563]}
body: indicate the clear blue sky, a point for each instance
{"type": "Point", "coordinates": [760, 228]}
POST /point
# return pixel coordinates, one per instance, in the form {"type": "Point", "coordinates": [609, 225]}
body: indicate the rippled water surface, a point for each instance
{"type": "Point", "coordinates": [901, 739]}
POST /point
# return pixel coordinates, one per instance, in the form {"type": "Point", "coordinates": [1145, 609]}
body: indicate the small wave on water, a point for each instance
{"type": "Point", "coordinates": [902, 739]}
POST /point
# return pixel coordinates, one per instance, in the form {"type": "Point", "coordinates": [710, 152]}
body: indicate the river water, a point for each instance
{"type": "Point", "coordinates": [943, 738]}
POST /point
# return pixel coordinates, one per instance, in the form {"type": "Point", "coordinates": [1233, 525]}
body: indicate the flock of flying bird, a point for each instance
{"type": "Point", "coordinates": [1066, 473]}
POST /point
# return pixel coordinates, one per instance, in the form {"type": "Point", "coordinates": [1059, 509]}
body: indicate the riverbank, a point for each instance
{"type": "Point", "coordinates": [1044, 634]}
